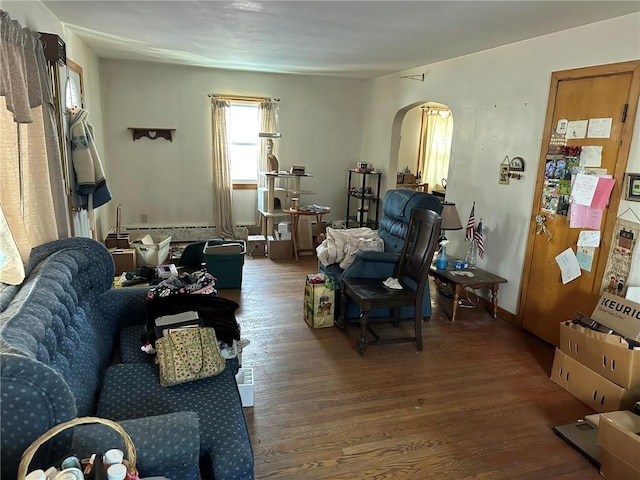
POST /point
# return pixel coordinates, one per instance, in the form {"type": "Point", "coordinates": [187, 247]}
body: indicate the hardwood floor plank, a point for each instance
{"type": "Point", "coordinates": [476, 403]}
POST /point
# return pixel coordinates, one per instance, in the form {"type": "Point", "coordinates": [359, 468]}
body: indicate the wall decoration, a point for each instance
{"type": "Point", "coordinates": [503, 179]}
{"type": "Point", "coordinates": [517, 164]}
{"type": "Point", "coordinates": [632, 187]}
{"type": "Point", "coordinates": [620, 256]}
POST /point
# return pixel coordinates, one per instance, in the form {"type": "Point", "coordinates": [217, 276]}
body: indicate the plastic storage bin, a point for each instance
{"type": "Point", "coordinates": [244, 378]}
{"type": "Point", "coordinates": [224, 260]}
{"type": "Point", "coordinates": [151, 250]}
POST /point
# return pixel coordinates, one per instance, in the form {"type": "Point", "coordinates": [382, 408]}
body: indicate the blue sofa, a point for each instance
{"type": "Point", "coordinates": [70, 347]}
{"type": "Point", "coordinates": [396, 210]}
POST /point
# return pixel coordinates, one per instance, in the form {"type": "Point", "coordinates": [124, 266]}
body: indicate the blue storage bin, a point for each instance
{"type": "Point", "coordinates": [224, 260]}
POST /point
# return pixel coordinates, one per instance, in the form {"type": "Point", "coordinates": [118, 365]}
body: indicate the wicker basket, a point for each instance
{"type": "Point", "coordinates": [28, 454]}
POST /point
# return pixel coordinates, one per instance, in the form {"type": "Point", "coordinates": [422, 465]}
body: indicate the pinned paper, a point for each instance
{"type": "Point", "coordinates": [599, 128]}
{"type": "Point", "coordinates": [569, 266]}
{"type": "Point", "coordinates": [591, 156]}
{"type": "Point", "coordinates": [585, 217]}
{"type": "Point", "coordinates": [583, 189]}
{"type": "Point", "coordinates": [561, 129]}
{"type": "Point", "coordinates": [584, 256]}
{"type": "Point", "coordinates": [577, 129]}
{"type": "Point", "coordinates": [589, 238]}
{"type": "Point", "coordinates": [603, 192]}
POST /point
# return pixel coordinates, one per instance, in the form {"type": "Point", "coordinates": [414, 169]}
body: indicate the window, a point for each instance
{"type": "Point", "coordinates": [243, 141]}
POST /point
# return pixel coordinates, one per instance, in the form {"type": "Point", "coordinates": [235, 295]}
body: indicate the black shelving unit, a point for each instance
{"type": "Point", "coordinates": [363, 199]}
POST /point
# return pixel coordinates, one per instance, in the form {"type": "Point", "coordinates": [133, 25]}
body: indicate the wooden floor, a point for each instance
{"type": "Point", "coordinates": [476, 403]}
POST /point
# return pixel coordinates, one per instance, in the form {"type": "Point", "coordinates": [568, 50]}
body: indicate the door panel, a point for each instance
{"type": "Point", "coordinates": [597, 92]}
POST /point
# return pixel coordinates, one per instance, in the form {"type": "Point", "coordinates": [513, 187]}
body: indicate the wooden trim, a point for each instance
{"type": "Point", "coordinates": [633, 68]}
{"type": "Point", "coordinates": [245, 186]}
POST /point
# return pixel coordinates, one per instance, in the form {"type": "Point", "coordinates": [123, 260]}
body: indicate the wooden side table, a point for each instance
{"type": "Point", "coordinates": [295, 218]}
{"type": "Point", "coordinates": [460, 281]}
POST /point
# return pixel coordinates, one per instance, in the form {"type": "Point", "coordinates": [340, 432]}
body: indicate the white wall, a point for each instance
{"type": "Point", "coordinates": [498, 99]}
{"type": "Point", "coordinates": [35, 16]}
{"type": "Point", "coordinates": [410, 140]}
{"type": "Point", "coordinates": [320, 120]}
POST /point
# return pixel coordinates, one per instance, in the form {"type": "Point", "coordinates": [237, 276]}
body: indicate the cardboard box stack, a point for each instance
{"type": "Point", "coordinates": [619, 445]}
{"type": "Point", "coordinates": [601, 369]}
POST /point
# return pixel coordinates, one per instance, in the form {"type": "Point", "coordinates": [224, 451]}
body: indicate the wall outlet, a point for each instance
{"type": "Point", "coordinates": [144, 217]}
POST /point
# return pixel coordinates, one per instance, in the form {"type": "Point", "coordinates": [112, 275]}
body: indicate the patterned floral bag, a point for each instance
{"type": "Point", "coordinates": [188, 354]}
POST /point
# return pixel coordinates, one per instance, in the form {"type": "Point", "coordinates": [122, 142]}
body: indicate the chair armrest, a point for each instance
{"type": "Point", "coordinates": [368, 264]}
{"type": "Point", "coordinates": [162, 442]}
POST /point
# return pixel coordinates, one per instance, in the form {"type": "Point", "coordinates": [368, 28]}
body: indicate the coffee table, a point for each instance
{"type": "Point", "coordinates": [460, 281]}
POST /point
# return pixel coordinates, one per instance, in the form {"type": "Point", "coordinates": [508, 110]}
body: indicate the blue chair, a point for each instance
{"type": "Point", "coordinates": [396, 213]}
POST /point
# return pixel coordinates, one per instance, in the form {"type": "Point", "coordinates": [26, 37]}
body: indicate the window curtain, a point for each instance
{"type": "Point", "coordinates": [222, 186]}
{"type": "Point", "coordinates": [32, 194]}
{"type": "Point", "coordinates": [435, 145]}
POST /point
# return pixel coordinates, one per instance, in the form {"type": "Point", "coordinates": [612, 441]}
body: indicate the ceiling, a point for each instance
{"type": "Point", "coordinates": [360, 39]}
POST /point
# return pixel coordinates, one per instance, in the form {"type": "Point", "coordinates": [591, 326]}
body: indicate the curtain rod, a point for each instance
{"type": "Point", "coordinates": [243, 98]}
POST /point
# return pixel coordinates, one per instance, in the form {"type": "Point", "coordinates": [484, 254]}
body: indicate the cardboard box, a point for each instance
{"type": "Point", "coordinates": [605, 354]}
{"type": "Point", "coordinates": [111, 241]}
{"type": "Point", "coordinates": [152, 251]}
{"type": "Point", "coordinates": [124, 260]}
{"type": "Point", "coordinates": [319, 301]}
{"type": "Point", "coordinates": [593, 389]}
{"type": "Point", "coordinates": [619, 445]}
{"type": "Point", "coordinates": [256, 245]}
{"type": "Point", "coordinates": [279, 248]}
{"type": "Point", "coordinates": [619, 314]}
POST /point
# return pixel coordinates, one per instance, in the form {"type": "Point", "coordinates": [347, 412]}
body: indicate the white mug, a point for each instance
{"type": "Point", "coordinates": [113, 456]}
{"type": "Point", "coordinates": [117, 471]}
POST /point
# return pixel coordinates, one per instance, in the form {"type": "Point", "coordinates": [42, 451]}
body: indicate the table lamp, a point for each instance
{"type": "Point", "coordinates": [450, 219]}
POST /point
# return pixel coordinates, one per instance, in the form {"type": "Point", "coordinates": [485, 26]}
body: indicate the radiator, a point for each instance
{"type": "Point", "coordinates": [182, 233]}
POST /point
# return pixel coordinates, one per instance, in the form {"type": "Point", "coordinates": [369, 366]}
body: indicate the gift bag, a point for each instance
{"type": "Point", "coordinates": [188, 354]}
{"type": "Point", "coordinates": [319, 299]}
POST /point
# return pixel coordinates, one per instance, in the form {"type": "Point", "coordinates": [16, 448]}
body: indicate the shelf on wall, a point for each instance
{"type": "Point", "coordinates": [152, 133]}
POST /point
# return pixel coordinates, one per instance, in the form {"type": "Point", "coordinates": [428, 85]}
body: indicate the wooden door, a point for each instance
{"type": "Point", "coordinates": [608, 91]}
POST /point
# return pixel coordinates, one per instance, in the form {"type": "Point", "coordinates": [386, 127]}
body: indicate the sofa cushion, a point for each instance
{"type": "Point", "coordinates": [175, 453]}
{"type": "Point", "coordinates": [133, 390]}
{"type": "Point", "coordinates": [131, 343]}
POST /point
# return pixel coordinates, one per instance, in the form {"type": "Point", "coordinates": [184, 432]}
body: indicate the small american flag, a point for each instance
{"type": "Point", "coordinates": [477, 236]}
{"type": "Point", "coordinates": [471, 224]}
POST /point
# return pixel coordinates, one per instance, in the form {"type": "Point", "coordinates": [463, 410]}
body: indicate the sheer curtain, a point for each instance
{"type": "Point", "coordinates": [222, 186]}
{"type": "Point", "coordinates": [32, 195]}
{"type": "Point", "coordinates": [435, 145]}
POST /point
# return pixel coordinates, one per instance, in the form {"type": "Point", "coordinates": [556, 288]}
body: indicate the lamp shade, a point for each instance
{"type": "Point", "coordinates": [450, 217]}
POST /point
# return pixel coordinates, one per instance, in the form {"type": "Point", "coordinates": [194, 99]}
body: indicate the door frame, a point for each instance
{"type": "Point", "coordinates": [633, 68]}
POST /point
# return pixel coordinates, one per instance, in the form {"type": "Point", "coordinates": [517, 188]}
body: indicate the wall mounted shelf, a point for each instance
{"type": "Point", "coordinates": [152, 133]}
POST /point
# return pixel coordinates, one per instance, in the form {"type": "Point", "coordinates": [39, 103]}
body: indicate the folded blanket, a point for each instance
{"type": "Point", "coordinates": [341, 245]}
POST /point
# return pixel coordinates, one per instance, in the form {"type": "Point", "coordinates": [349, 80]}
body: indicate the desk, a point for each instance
{"type": "Point", "coordinates": [295, 218]}
{"type": "Point", "coordinates": [481, 278]}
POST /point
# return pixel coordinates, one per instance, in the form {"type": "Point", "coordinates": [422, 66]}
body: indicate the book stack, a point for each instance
{"type": "Point", "coordinates": [297, 170]}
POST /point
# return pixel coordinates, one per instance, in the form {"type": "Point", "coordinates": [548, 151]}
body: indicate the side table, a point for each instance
{"type": "Point", "coordinates": [460, 281]}
{"type": "Point", "coordinates": [295, 218]}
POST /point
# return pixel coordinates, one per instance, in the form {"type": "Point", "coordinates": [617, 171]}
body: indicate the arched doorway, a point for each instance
{"type": "Point", "coordinates": [423, 142]}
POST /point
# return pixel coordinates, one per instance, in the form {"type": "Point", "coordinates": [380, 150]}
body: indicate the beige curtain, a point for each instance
{"type": "Point", "coordinates": [32, 193]}
{"type": "Point", "coordinates": [222, 186]}
{"type": "Point", "coordinates": [267, 112]}
{"type": "Point", "coordinates": [435, 145]}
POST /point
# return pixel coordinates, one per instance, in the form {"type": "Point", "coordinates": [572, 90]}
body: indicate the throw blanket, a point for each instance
{"type": "Point", "coordinates": [341, 245]}
{"type": "Point", "coordinates": [90, 181]}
